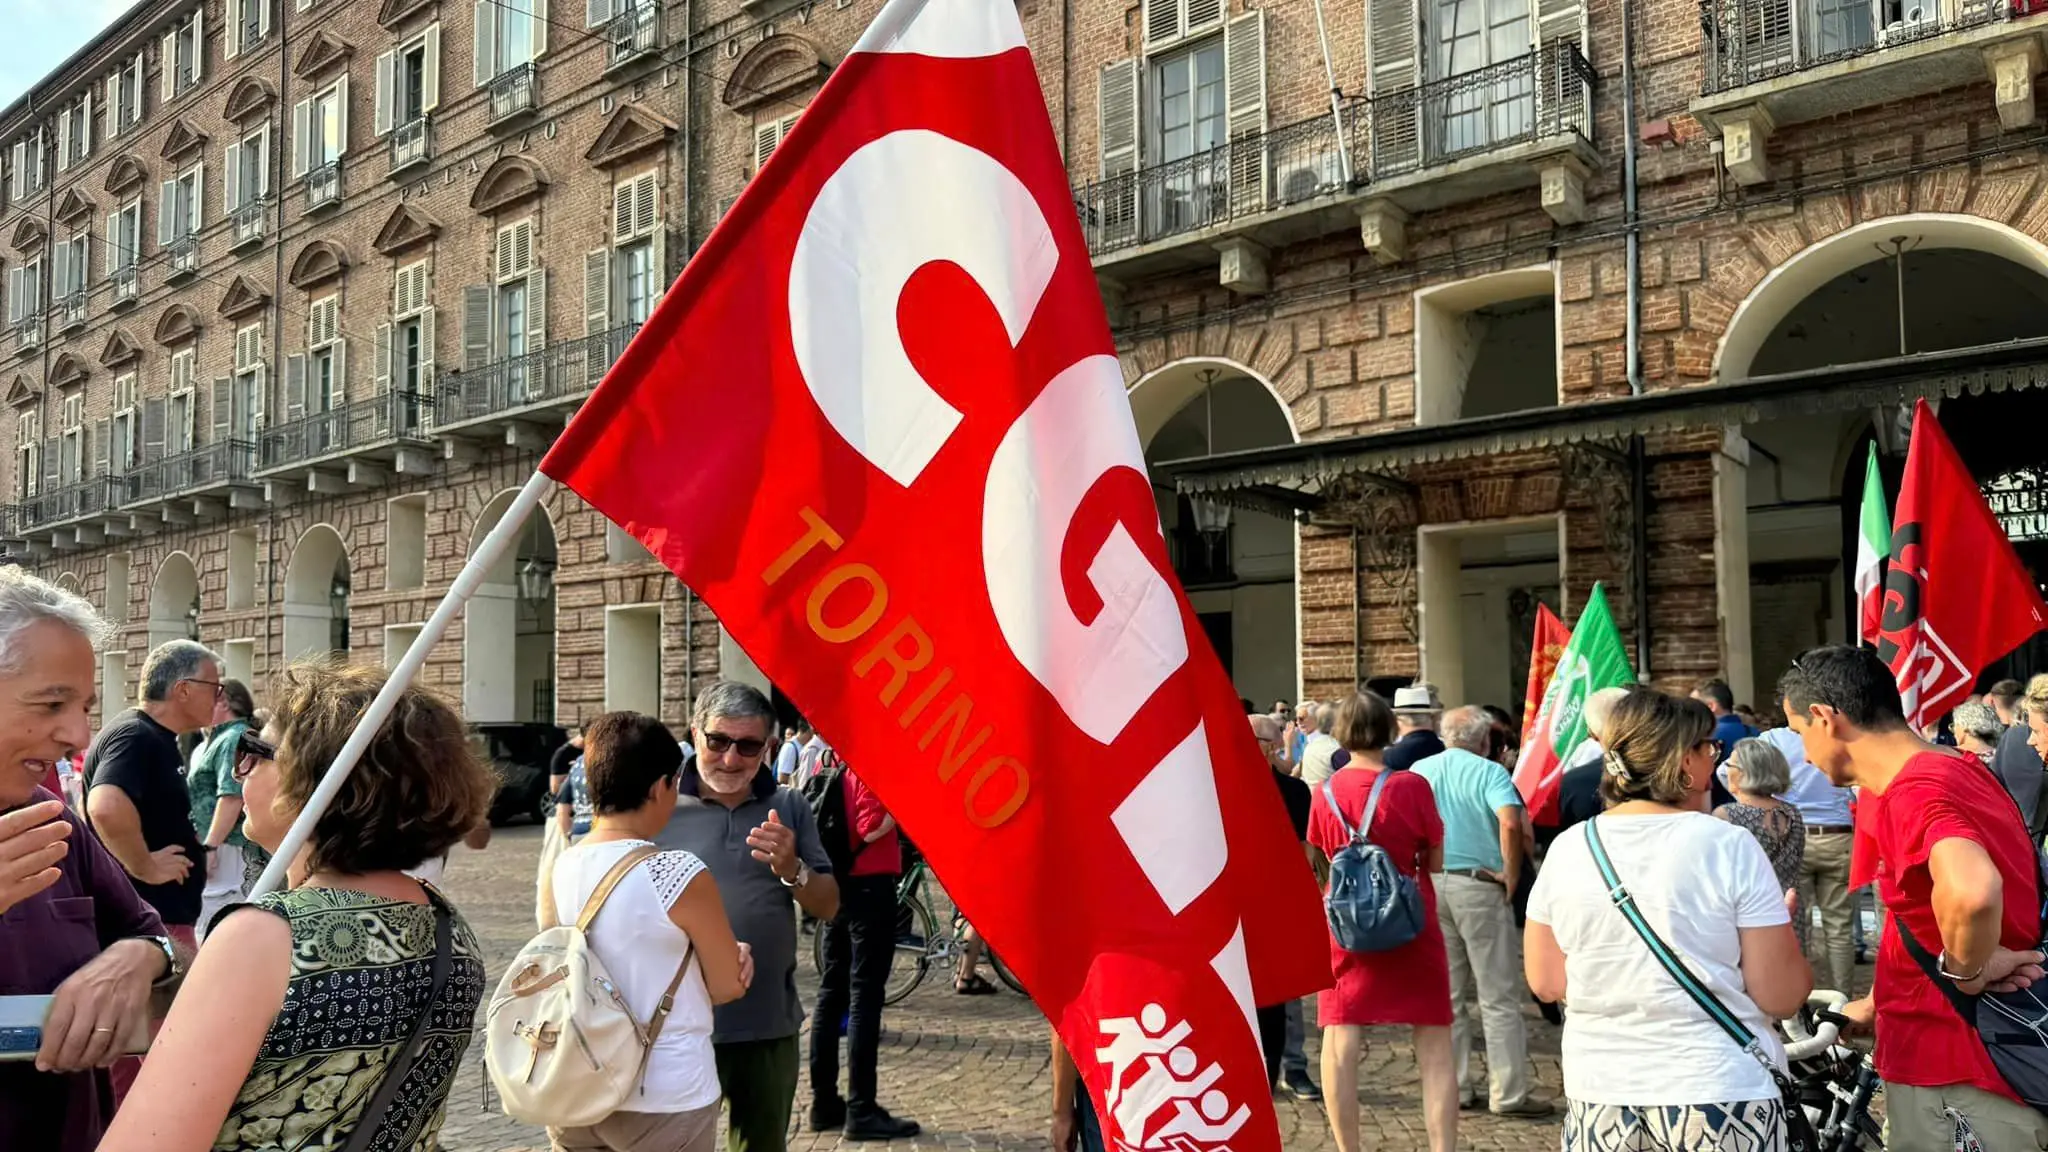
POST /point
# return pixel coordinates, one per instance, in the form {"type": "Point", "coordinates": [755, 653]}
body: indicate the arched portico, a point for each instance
{"type": "Point", "coordinates": [174, 601]}
{"type": "Point", "coordinates": [1238, 566]}
{"type": "Point", "coordinates": [317, 584]}
{"type": "Point", "coordinates": [508, 630]}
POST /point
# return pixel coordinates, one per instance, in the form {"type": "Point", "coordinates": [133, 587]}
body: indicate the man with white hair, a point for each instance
{"type": "Point", "coordinates": [1578, 790]}
{"type": "Point", "coordinates": [1482, 855]}
{"type": "Point", "coordinates": [135, 799]}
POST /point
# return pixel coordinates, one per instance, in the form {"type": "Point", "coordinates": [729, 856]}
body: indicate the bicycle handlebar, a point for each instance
{"type": "Point", "coordinates": [1827, 1008]}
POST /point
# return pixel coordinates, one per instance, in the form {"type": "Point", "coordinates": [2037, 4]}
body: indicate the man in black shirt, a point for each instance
{"type": "Point", "coordinates": [136, 800]}
{"type": "Point", "coordinates": [1416, 709]}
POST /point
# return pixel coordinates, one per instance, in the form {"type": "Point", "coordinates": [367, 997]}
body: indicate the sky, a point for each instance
{"type": "Point", "coordinates": [40, 34]}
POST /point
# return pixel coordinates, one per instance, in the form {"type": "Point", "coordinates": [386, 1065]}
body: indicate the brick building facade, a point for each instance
{"type": "Point", "coordinates": [347, 265]}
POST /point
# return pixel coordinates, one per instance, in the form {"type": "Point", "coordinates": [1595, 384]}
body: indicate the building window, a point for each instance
{"type": "Point", "coordinates": [182, 408]}
{"type": "Point", "coordinates": [28, 452]}
{"type": "Point", "coordinates": [124, 238]}
{"type": "Point", "coordinates": [72, 269]}
{"type": "Point", "coordinates": [24, 292]}
{"type": "Point", "coordinates": [411, 363]}
{"type": "Point", "coordinates": [1185, 115]}
{"type": "Point", "coordinates": [636, 244]}
{"type": "Point", "coordinates": [511, 321]}
{"type": "Point", "coordinates": [248, 25]}
{"type": "Point", "coordinates": [769, 136]}
{"type": "Point", "coordinates": [74, 132]}
{"type": "Point", "coordinates": [124, 96]}
{"type": "Point", "coordinates": [126, 450]}
{"type": "Point", "coordinates": [328, 388]}
{"type": "Point", "coordinates": [514, 45]}
{"type": "Point", "coordinates": [1472, 35]}
{"type": "Point", "coordinates": [320, 129]}
{"type": "Point", "coordinates": [71, 467]}
{"type": "Point", "coordinates": [184, 54]}
{"type": "Point", "coordinates": [248, 164]}
{"type": "Point", "coordinates": [180, 212]}
{"type": "Point", "coordinates": [636, 282]}
{"type": "Point", "coordinates": [27, 170]}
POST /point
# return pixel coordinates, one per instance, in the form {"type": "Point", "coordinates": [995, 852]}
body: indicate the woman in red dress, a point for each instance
{"type": "Point", "coordinates": [1407, 985]}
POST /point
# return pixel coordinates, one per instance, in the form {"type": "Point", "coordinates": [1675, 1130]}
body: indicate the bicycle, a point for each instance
{"type": "Point", "coordinates": [920, 946]}
{"type": "Point", "coordinates": [1836, 1082]}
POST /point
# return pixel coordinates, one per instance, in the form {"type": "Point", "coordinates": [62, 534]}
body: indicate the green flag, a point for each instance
{"type": "Point", "coordinates": [1593, 660]}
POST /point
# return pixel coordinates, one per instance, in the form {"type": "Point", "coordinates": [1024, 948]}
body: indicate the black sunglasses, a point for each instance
{"type": "Point", "coordinates": [748, 746]}
{"type": "Point", "coordinates": [250, 751]}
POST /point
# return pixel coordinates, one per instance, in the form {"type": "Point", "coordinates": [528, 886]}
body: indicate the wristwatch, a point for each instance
{"type": "Point", "coordinates": [1941, 966]}
{"type": "Point", "coordinates": [803, 876]}
{"type": "Point", "coordinates": [170, 952]}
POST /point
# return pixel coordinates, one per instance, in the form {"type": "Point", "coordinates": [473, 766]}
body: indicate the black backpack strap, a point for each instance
{"type": "Point", "coordinates": [394, 1076]}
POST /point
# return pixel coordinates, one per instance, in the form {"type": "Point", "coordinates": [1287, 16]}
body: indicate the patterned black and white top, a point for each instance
{"type": "Point", "coordinates": [362, 973]}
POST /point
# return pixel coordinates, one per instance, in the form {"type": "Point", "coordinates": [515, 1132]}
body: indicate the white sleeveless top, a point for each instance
{"type": "Point", "coordinates": [641, 947]}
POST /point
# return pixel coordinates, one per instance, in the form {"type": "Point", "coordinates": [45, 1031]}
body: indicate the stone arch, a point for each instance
{"type": "Point", "coordinates": [1784, 287]}
{"type": "Point", "coordinates": [179, 323]}
{"type": "Point", "coordinates": [506, 182]}
{"type": "Point", "coordinates": [174, 600]}
{"type": "Point", "coordinates": [317, 263]}
{"type": "Point", "coordinates": [317, 583]}
{"type": "Point", "coordinates": [68, 581]}
{"type": "Point", "coordinates": [249, 96]}
{"type": "Point", "coordinates": [1241, 571]}
{"type": "Point", "coordinates": [776, 67]}
{"type": "Point", "coordinates": [508, 630]}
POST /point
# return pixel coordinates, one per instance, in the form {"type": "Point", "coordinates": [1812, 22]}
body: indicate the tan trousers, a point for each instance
{"type": "Point", "coordinates": [1485, 956]}
{"type": "Point", "coordinates": [694, 1131]}
{"type": "Point", "coordinates": [1824, 873]}
{"type": "Point", "coordinates": [1918, 1120]}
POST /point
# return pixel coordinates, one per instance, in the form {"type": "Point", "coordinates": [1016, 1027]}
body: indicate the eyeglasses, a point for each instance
{"type": "Point", "coordinates": [219, 689]}
{"type": "Point", "coordinates": [251, 751]}
{"type": "Point", "coordinates": [747, 746]}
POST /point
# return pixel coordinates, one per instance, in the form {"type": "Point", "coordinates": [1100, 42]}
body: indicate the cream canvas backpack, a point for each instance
{"type": "Point", "coordinates": [562, 1047]}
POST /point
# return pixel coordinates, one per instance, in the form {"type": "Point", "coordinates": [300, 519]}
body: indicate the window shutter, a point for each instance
{"type": "Point", "coordinates": [232, 192]}
{"type": "Point", "coordinates": [198, 44]}
{"type": "Point", "coordinates": [766, 137]}
{"type": "Point", "coordinates": [114, 243]}
{"type": "Point", "coordinates": [597, 294]}
{"type": "Point", "coordinates": [1162, 21]}
{"type": "Point", "coordinates": [476, 326]}
{"type": "Point", "coordinates": [231, 32]}
{"type": "Point", "coordinates": [386, 63]}
{"type": "Point", "coordinates": [302, 124]}
{"type": "Point", "coordinates": [597, 13]}
{"type": "Point", "coordinates": [63, 270]}
{"type": "Point", "coordinates": [85, 127]}
{"type": "Point", "coordinates": [294, 387]}
{"type": "Point", "coordinates": [262, 160]}
{"type": "Point", "coordinates": [152, 430]}
{"type": "Point", "coordinates": [169, 80]}
{"type": "Point", "coordinates": [261, 393]}
{"type": "Point", "coordinates": [64, 140]}
{"type": "Point", "coordinates": [1393, 44]}
{"type": "Point", "coordinates": [341, 116]}
{"type": "Point", "coordinates": [53, 457]}
{"type": "Point", "coordinates": [536, 309]}
{"type": "Point", "coordinates": [198, 196]}
{"type": "Point", "coordinates": [223, 411]}
{"type": "Point", "coordinates": [539, 24]}
{"type": "Point", "coordinates": [1244, 82]}
{"type": "Point", "coordinates": [427, 351]}
{"type": "Point", "coordinates": [1116, 102]}
{"type": "Point", "coordinates": [485, 46]}
{"type": "Point", "coordinates": [644, 208]}
{"type": "Point", "coordinates": [1560, 20]}
{"type": "Point", "coordinates": [622, 212]}
{"type": "Point", "coordinates": [167, 212]}
{"type": "Point", "coordinates": [114, 103]}
{"type": "Point", "coordinates": [341, 371]}
{"type": "Point", "coordinates": [430, 70]}
{"type": "Point", "coordinates": [658, 267]}
{"type": "Point", "coordinates": [381, 368]}
{"type": "Point", "coordinates": [102, 448]}
{"type": "Point", "coordinates": [263, 16]}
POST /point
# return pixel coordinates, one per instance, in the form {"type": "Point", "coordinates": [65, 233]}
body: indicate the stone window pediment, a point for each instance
{"type": "Point", "coordinates": [179, 323]}
{"type": "Point", "coordinates": [124, 173]}
{"type": "Point", "coordinates": [28, 235]}
{"type": "Point", "coordinates": [395, 12]}
{"type": "Point", "coordinates": [773, 70]}
{"type": "Point", "coordinates": [324, 51]}
{"type": "Point", "coordinates": [508, 180]}
{"type": "Point", "coordinates": [405, 227]}
{"type": "Point", "coordinates": [121, 348]}
{"type": "Point", "coordinates": [249, 97]}
{"type": "Point", "coordinates": [183, 137]}
{"type": "Point", "coordinates": [631, 131]}
{"type": "Point", "coordinates": [242, 298]}
{"type": "Point", "coordinates": [69, 371]}
{"type": "Point", "coordinates": [317, 263]}
{"type": "Point", "coordinates": [22, 391]}
{"type": "Point", "coordinates": [73, 205]}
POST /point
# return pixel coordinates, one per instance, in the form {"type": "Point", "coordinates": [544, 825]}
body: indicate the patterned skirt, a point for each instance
{"type": "Point", "coordinates": [1747, 1126]}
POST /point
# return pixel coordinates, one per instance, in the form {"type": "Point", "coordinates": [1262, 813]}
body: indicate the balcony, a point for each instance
{"type": "Point", "coordinates": [510, 401]}
{"type": "Point", "coordinates": [357, 443]}
{"type": "Point", "coordinates": [71, 312]}
{"type": "Point", "coordinates": [72, 515]}
{"type": "Point", "coordinates": [127, 286]}
{"type": "Point", "coordinates": [1769, 63]}
{"type": "Point", "coordinates": [633, 34]}
{"type": "Point", "coordinates": [182, 255]}
{"type": "Point", "coordinates": [514, 94]}
{"type": "Point", "coordinates": [186, 487]}
{"type": "Point", "coordinates": [411, 143]}
{"type": "Point", "coordinates": [1525, 122]}
{"type": "Point", "coordinates": [28, 334]}
{"type": "Point", "coordinates": [323, 186]}
{"type": "Point", "coordinates": [247, 223]}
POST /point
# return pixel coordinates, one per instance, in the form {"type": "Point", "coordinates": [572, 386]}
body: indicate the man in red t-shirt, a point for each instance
{"type": "Point", "coordinates": [1959, 871]}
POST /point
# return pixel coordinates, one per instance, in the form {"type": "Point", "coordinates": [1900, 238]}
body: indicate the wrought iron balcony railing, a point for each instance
{"type": "Point", "coordinates": [558, 372]}
{"type": "Point", "coordinates": [411, 143]}
{"type": "Point", "coordinates": [380, 420]}
{"type": "Point", "coordinates": [248, 222]}
{"type": "Point", "coordinates": [183, 254]}
{"type": "Point", "coordinates": [63, 505]}
{"type": "Point", "coordinates": [514, 92]}
{"type": "Point", "coordinates": [1748, 41]}
{"type": "Point", "coordinates": [205, 467]}
{"type": "Point", "coordinates": [1545, 94]}
{"type": "Point", "coordinates": [127, 285]}
{"type": "Point", "coordinates": [634, 32]}
{"type": "Point", "coordinates": [323, 186]}
{"type": "Point", "coordinates": [28, 333]}
{"type": "Point", "coordinates": [71, 311]}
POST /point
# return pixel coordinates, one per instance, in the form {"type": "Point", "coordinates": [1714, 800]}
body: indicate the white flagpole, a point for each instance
{"type": "Point", "coordinates": [494, 545]}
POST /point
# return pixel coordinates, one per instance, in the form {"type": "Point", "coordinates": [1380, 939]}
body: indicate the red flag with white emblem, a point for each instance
{"type": "Point", "coordinates": [879, 425]}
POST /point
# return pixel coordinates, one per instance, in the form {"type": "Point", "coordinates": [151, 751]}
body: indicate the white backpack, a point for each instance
{"type": "Point", "coordinates": [562, 1047]}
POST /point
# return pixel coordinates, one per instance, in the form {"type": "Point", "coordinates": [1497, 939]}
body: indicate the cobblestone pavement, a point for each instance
{"type": "Point", "coordinates": [973, 1070]}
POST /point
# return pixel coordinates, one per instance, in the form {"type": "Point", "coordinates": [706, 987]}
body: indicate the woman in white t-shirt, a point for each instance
{"type": "Point", "coordinates": [1644, 1068]}
{"type": "Point", "coordinates": [664, 913]}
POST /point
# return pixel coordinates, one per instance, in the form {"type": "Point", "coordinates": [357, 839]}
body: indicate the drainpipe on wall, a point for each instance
{"type": "Point", "coordinates": [1639, 465]}
{"type": "Point", "coordinates": [1357, 616]}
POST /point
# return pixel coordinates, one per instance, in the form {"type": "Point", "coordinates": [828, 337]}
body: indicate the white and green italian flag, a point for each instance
{"type": "Point", "coordinates": [1594, 659]}
{"type": "Point", "coordinates": [1873, 544]}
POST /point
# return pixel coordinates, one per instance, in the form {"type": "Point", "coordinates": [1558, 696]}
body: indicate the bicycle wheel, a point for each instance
{"type": "Point", "coordinates": [914, 945]}
{"type": "Point", "coordinates": [1004, 973]}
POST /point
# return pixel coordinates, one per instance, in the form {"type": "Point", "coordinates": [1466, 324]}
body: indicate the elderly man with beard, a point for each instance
{"type": "Point", "coordinates": [71, 925]}
{"type": "Point", "coordinates": [761, 845]}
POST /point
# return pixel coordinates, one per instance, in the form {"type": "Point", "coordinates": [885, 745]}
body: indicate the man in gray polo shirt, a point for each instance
{"type": "Point", "coordinates": [760, 844]}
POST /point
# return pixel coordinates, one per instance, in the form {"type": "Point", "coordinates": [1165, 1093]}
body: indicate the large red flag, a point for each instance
{"type": "Point", "coordinates": [879, 425]}
{"type": "Point", "coordinates": [1546, 648]}
{"type": "Point", "coordinates": [1956, 597]}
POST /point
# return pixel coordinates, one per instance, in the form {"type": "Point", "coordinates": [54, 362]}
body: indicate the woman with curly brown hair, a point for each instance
{"type": "Point", "coordinates": [350, 999]}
